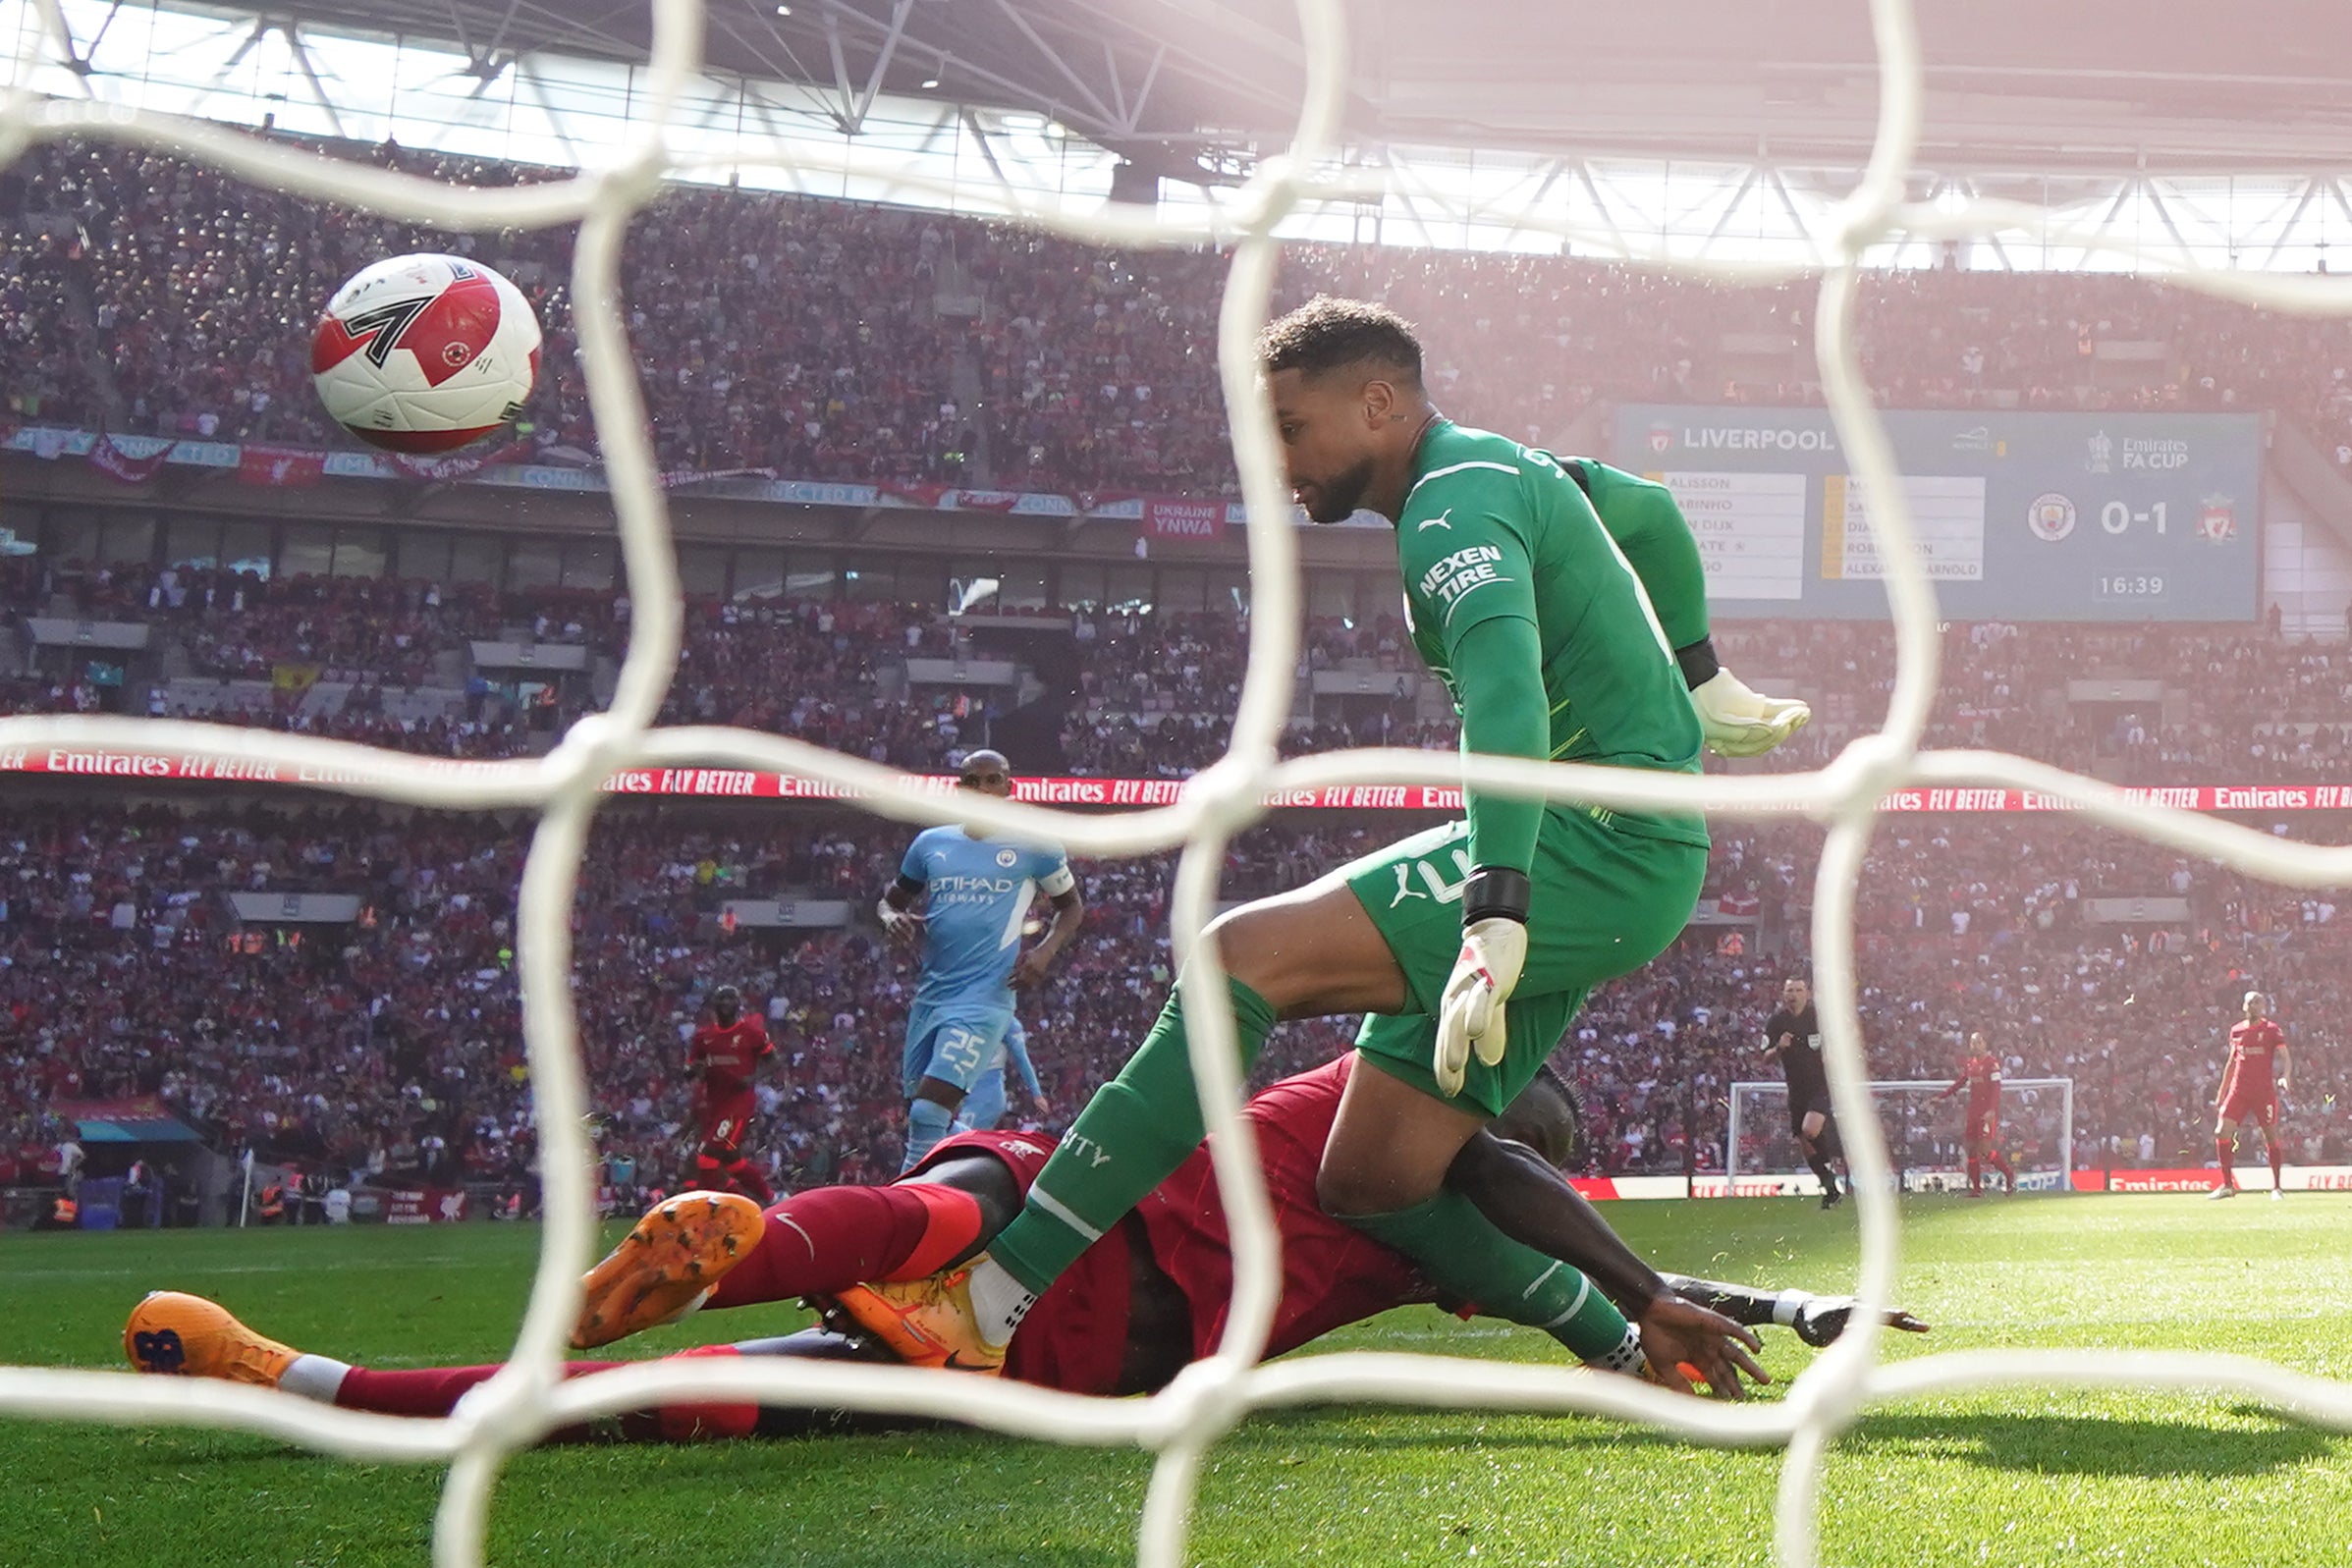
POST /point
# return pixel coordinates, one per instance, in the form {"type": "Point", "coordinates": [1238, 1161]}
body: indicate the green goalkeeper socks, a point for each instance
{"type": "Point", "coordinates": [1143, 1124]}
{"type": "Point", "coordinates": [1463, 1255]}
{"type": "Point", "coordinates": [1131, 1137]}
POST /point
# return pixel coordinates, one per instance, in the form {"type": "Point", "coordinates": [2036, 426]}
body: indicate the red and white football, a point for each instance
{"type": "Point", "coordinates": [425, 354]}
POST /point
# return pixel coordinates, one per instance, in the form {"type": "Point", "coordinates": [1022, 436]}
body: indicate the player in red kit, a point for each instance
{"type": "Point", "coordinates": [1147, 1298]}
{"type": "Point", "coordinates": [1979, 1132]}
{"type": "Point", "coordinates": [723, 1055]}
{"type": "Point", "coordinates": [1170, 1263]}
{"type": "Point", "coordinates": [2250, 1093]}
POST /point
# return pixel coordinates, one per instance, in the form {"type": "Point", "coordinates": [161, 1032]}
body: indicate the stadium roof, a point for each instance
{"type": "Point", "coordinates": [2111, 86]}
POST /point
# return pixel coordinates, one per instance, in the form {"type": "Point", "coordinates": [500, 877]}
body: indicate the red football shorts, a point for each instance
{"type": "Point", "coordinates": [2255, 1103]}
{"type": "Point", "coordinates": [724, 1121]}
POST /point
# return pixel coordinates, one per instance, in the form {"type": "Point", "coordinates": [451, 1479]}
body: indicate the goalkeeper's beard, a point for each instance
{"type": "Point", "coordinates": [1336, 500]}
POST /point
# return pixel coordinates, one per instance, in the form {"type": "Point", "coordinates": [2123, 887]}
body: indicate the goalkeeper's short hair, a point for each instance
{"type": "Point", "coordinates": [1329, 332]}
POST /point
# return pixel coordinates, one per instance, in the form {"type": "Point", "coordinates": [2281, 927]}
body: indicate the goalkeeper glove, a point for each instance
{"type": "Point", "coordinates": [1819, 1320]}
{"type": "Point", "coordinates": [1470, 1009]}
{"type": "Point", "coordinates": [1739, 722]}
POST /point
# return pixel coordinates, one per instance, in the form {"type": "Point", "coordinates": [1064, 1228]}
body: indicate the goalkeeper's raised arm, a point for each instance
{"type": "Point", "coordinates": [1651, 532]}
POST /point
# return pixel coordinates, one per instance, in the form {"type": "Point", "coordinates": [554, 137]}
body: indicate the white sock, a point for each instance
{"type": "Point", "coordinates": [999, 1301]}
{"type": "Point", "coordinates": [1626, 1358]}
{"type": "Point", "coordinates": [318, 1378]}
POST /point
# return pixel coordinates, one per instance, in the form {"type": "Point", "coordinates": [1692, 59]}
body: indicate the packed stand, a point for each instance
{"type": "Point", "coordinates": [1154, 694]}
{"type": "Point", "coordinates": [2239, 707]}
{"type": "Point", "coordinates": [1973, 924]}
{"type": "Point", "coordinates": [390, 1049]}
{"type": "Point", "coordinates": [772, 332]}
{"type": "Point", "coordinates": [823, 339]}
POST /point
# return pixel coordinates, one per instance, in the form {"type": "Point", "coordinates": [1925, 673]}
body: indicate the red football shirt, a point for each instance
{"type": "Point", "coordinates": [726, 1057]}
{"type": "Point", "coordinates": [1333, 1273]}
{"type": "Point", "coordinates": [2253, 1057]}
{"type": "Point", "coordinates": [1982, 1074]}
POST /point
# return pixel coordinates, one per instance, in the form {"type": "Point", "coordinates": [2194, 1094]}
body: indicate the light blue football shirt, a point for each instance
{"type": "Point", "coordinates": [979, 890]}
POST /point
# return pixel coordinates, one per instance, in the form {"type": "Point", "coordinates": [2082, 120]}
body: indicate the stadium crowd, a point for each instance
{"type": "Point", "coordinates": [826, 340]}
{"type": "Point", "coordinates": [1152, 694]}
{"type": "Point", "coordinates": [388, 1047]}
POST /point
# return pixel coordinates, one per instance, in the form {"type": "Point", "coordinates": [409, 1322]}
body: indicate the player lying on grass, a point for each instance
{"type": "Point", "coordinates": [1134, 1310]}
{"type": "Point", "coordinates": [1560, 636]}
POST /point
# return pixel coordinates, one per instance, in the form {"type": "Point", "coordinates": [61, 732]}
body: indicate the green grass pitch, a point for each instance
{"type": "Point", "coordinates": [2024, 1476]}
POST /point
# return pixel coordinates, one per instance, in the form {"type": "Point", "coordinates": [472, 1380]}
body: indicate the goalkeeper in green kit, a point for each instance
{"type": "Point", "coordinates": [1469, 947]}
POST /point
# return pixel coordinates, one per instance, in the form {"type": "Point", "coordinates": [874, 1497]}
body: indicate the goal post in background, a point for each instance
{"type": "Point", "coordinates": [1923, 1133]}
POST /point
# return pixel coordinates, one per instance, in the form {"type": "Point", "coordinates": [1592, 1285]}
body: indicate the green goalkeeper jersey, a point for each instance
{"type": "Point", "coordinates": [1511, 579]}
{"type": "Point", "coordinates": [1641, 515]}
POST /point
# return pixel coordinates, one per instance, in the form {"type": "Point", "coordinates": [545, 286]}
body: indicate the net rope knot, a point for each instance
{"type": "Point", "coordinates": [1228, 795]}
{"type": "Point", "coordinates": [508, 1412]}
{"type": "Point", "coordinates": [596, 746]}
{"type": "Point", "coordinates": [1869, 769]}
{"type": "Point", "coordinates": [1207, 1399]}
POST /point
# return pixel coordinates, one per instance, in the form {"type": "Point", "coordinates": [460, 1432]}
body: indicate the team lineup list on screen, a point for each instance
{"type": "Point", "coordinates": [2022, 515]}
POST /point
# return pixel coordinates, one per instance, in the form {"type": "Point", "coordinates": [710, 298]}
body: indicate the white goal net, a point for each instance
{"type": "Point", "coordinates": [1180, 1424]}
{"type": "Point", "coordinates": [1926, 1134]}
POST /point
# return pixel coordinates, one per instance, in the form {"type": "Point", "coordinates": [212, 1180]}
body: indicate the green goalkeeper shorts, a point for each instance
{"type": "Point", "coordinates": [1605, 902]}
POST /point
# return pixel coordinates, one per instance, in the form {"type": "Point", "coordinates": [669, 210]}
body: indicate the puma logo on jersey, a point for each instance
{"type": "Point", "coordinates": [1438, 521]}
{"type": "Point", "coordinates": [1432, 878]}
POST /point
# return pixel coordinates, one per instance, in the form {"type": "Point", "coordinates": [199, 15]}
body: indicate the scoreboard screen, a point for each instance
{"type": "Point", "coordinates": [2022, 516]}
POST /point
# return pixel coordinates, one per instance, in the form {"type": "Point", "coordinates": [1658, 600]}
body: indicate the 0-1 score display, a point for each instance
{"type": "Point", "coordinates": [2032, 517]}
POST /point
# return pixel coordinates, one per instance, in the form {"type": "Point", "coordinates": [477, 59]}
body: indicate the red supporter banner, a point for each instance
{"type": "Point", "coordinates": [682, 478]}
{"type": "Point", "coordinates": [419, 1206]}
{"type": "Point", "coordinates": [745, 783]}
{"type": "Point", "coordinates": [950, 498]}
{"type": "Point", "coordinates": [109, 458]}
{"type": "Point", "coordinates": [457, 465]}
{"type": "Point", "coordinates": [1167, 518]}
{"type": "Point", "coordinates": [983, 500]}
{"type": "Point", "coordinates": [279, 466]}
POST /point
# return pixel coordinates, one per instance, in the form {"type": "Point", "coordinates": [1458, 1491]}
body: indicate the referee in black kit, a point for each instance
{"type": "Point", "coordinates": [1793, 1035]}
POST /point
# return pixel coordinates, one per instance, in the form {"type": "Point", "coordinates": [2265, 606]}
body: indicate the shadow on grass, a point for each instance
{"type": "Point", "coordinates": [2057, 1444]}
{"type": "Point", "coordinates": [2081, 1445]}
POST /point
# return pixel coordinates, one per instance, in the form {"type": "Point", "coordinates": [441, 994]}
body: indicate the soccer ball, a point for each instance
{"type": "Point", "coordinates": [425, 354]}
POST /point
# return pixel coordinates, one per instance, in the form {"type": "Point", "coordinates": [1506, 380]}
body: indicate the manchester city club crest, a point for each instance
{"type": "Point", "coordinates": [2217, 523]}
{"type": "Point", "coordinates": [2050, 517]}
